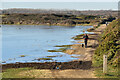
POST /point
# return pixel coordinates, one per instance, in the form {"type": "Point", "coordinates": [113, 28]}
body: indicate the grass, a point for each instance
{"type": "Point", "coordinates": [53, 51]}
{"type": "Point", "coordinates": [22, 55]}
{"type": "Point", "coordinates": [78, 37]}
{"type": "Point", "coordinates": [51, 56]}
{"type": "Point", "coordinates": [63, 46]}
{"type": "Point", "coordinates": [108, 44]}
{"type": "Point", "coordinates": [26, 74]}
{"type": "Point", "coordinates": [14, 73]}
{"type": "Point", "coordinates": [112, 73]}
{"type": "Point", "coordinates": [44, 59]}
{"type": "Point", "coordinates": [85, 24]}
{"type": "Point", "coordinates": [59, 50]}
{"type": "Point", "coordinates": [90, 29]}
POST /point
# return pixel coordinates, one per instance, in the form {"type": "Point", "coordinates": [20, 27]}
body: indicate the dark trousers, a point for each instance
{"type": "Point", "coordinates": [85, 41]}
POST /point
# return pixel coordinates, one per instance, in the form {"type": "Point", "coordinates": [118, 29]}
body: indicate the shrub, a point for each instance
{"type": "Point", "coordinates": [109, 44]}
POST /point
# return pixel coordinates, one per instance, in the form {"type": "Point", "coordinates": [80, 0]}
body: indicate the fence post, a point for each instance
{"type": "Point", "coordinates": [105, 64]}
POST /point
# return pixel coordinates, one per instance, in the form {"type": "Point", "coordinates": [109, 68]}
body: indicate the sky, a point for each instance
{"type": "Point", "coordinates": [60, 0]}
{"type": "Point", "coordinates": [61, 4]}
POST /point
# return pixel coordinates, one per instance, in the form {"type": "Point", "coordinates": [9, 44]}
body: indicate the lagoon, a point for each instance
{"type": "Point", "coordinates": [27, 43]}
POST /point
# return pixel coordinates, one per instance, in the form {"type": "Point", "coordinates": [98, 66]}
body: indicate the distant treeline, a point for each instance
{"type": "Point", "coordinates": [53, 19]}
{"type": "Point", "coordinates": [67, 12]}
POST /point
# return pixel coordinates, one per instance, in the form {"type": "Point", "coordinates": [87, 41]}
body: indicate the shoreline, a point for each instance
{"type": "Point", "coordinates": [50, 65]}
{"type": "Point", "coordinates": [66, 52]}
{"type": "Point", "coordinates": [92, 44]}
{"type": "Point", "coordinates": [52, 25]}
{"type": "Point", "coordinates": [82, 66]}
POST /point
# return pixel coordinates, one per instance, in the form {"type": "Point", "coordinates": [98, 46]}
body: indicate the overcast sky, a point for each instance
{"type": "Point", "coordinates": [60, 0]}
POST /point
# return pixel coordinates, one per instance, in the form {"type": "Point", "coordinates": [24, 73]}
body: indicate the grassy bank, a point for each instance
{"type": "Point", "coordinates": [109, 44]}
{"type": "Point", "coordinates": [14, 73]}
{"type": "Point", "coordinates": [25, 74]}
{"type": "Point", "coordinates": [53, 19]}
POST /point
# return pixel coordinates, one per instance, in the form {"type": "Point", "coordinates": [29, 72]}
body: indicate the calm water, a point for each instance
{"type": "Point", "coordinates": [34, 41]}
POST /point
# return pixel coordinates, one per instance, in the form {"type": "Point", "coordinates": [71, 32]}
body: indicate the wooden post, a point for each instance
{"type": "Point", "coordinates": [105, 64]}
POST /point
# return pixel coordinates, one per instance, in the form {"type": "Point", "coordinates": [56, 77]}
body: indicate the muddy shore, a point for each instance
{"type": "Point", "coordinates": [51, 65]}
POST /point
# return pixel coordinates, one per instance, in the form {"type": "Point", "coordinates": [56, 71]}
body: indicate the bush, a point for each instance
{"type": "Point", "coordinates": [109, 44]}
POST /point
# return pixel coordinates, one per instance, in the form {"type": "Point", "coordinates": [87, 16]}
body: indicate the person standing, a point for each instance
{"type": "Point", "coordinates": [106, 23]}
{"type": "Point", "coordinates": [85, 37]}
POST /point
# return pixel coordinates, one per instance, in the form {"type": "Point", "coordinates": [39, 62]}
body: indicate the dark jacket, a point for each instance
{"type": "Point", "coordinates": [85, 37]}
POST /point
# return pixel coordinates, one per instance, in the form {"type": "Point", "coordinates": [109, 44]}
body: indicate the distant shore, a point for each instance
{"type": "Point", "coordinates": [52, 24]}
{"type": "Point", "coordinates": [54, 19]}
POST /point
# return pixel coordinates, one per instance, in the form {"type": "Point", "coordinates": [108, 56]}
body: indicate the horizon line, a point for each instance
{"type": "Point", "coordinates": [65, 9]}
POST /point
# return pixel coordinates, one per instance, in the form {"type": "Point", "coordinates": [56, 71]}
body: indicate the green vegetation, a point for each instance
{"type": "Point", "coordinates": [26, 74]}
{"type": "Point", "coordinates": [59, 50]}
{"type": "Point", "coordinates": [51, 56]}
{"type": "Point", "coordinates": [22, 55]}
{"type": "Point", "coordinates": [90, 29]}
{"type": "Point", "coordinates": [109, 44]}
{"type": "Point", "coordinates": [43, 59]}
{"type": "Point", "coordinates": [14, 73]}
{"type": "Point", "coordinates": [112, 73]}
{"type": "Point", "coordinates": [78, 37]}
{"type": "Point", "coordinates": [53, 51]}
{"type": "Point", "coordinates": [63, 46]}
{"type": "Point", "coordinates": [94, 27]}
{"type": "Point", "coordinates": [53, 19]}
